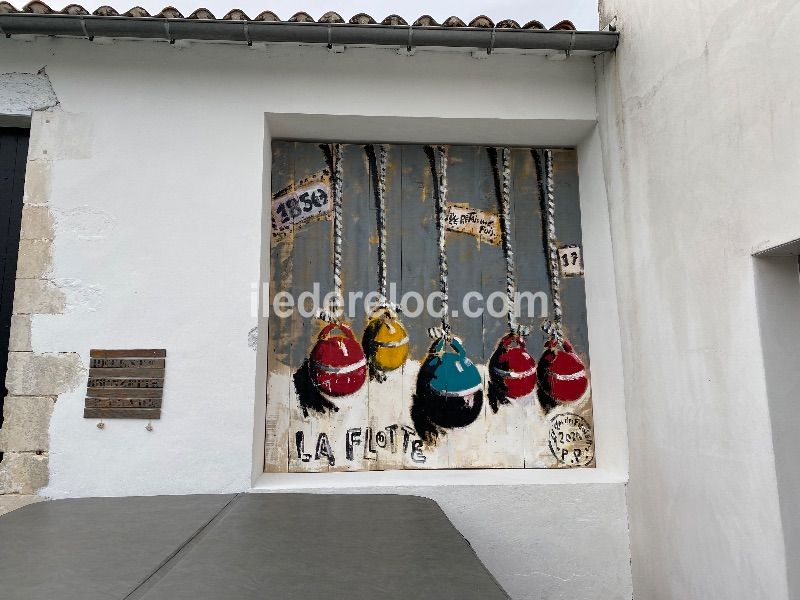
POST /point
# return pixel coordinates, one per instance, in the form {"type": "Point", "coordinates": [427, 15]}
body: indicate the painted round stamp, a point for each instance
{"type": "Point", "coordinates": [571, 440]}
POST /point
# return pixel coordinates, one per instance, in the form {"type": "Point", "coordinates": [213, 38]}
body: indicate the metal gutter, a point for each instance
{"type": "Point", "coordinates": [339, 34]}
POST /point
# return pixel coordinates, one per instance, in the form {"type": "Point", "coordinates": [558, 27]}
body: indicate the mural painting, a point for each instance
{"type": "Point", "coordinates": [426, 309]}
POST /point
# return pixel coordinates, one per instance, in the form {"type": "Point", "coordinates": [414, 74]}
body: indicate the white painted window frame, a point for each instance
{"type": "Point", "coordinates": [601, 296]}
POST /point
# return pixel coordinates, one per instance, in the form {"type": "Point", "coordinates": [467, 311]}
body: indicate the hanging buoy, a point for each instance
{"type": "Point", "coordinates": [385, 341]}
{"type": "Point", "coordinates": [562, 374]}
{"type": "Point", "coordinates": [338, 366]}
{"type": "Point", "coordinates": [449, 387]}
{"type": "Point", "coordinates": [511, 368]}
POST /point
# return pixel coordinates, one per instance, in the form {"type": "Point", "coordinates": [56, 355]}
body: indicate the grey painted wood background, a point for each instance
{"type": "Point", "coordinates": [305, 256]}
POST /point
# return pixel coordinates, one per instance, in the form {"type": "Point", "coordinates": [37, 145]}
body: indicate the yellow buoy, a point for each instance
{"type": "Point", "coordinates": [385, 341]}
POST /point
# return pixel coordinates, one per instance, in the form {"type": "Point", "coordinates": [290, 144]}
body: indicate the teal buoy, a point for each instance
{"type": "Point", "coordinates": [449, 386]}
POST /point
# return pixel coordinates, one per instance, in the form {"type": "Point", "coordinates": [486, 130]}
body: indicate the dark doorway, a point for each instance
{"type": "Point", "coordinates": [13, 155]}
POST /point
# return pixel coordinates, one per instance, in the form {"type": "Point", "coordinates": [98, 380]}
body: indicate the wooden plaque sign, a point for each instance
{"type": "Point", "coordinates": [125, 384]}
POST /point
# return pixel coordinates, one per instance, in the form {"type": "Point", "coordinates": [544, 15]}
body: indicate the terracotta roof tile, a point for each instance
{"type": "Point", "coordinates": [75, 9]}
{"type": "Point", "coordinates": [137, 11]}
{"type": "Point", "coordinates": [331, 17]}
{"type": "Point", "coordinates": [394, 20]}
{"type": "Point", "coordinates": [36, 7]}
{"type": "Point", "coordinates": [267, 15]}
{"type": "Point", "coordinates": [453, 22]}
{"type": "Point", "coordinates": [534, 25]}
{"type": "Point", "coordinates": [236, 14]}
{"type": "Point", "coordinates": [169, 12]}
{"type": "Point", "coordinates": [202, 13]}
{"type": "Point", "coordinates": [563, 26]}
{"type": "Point", "coordinates": [425, 21]}
{"type": "Point", "coordinates": [106, 11]}
{"type": "Point", "coordinates": [362, 19]}
{"type": "Point", "coordinates": [482, 21]}
{"type": "Point", "coordinates": [301, 17]}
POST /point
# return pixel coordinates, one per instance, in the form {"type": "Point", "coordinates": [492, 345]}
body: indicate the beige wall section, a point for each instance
{"type": "Point", "coordinates": [699, 113]}
{"type": "Point", "coordinates": [34, 380]}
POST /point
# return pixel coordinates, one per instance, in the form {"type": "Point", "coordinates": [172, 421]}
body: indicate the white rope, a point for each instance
{"type": "Point", "coordinates": [382, 221]}
{"type": "Point", "coordinates": [508, 251]}
{"type": "Point", "coordinates": [440, 160]}
{"type": "Point", "coordinates": [332, 313]}
{"type": "Point", "coordinates": [552, 328]}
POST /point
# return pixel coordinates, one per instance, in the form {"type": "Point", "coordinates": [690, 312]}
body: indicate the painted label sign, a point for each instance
{"type": "Point", "coordinates": [311, 197]}
{"type": "Point", "coordinates": [570, 260]}
{"type": "Point", "coordinates": [483, 224]}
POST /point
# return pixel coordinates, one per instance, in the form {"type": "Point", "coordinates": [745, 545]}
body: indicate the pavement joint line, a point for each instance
{"type": "Point", "coordinates": [175, 557]}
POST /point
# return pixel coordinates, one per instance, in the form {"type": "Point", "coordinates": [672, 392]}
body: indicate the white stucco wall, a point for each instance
{"type": "Point", "coordinates": [158, 165]}
{"type": "Point", "coordinates": [699, 117]}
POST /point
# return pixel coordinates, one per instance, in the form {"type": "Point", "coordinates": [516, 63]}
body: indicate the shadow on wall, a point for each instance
{"type": "Point", "coordinates": [777, 280]}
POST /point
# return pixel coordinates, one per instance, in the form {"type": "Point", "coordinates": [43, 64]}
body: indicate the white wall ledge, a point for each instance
{"type": "Point", "coordinates": [271, 482]}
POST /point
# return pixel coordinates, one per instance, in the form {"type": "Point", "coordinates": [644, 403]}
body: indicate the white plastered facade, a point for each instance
{"type": "Point", "coordinates": [157, 171]}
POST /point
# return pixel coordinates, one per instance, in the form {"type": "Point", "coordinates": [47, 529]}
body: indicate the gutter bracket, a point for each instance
{"type": "Point", "coordinates": [247, 34]}
{"type": "Point", "coordinates": [333, 48]}
{"type": "Point", "coordinates": [409, 50]}
{"type": "Point", "coordinates": [85, 33]}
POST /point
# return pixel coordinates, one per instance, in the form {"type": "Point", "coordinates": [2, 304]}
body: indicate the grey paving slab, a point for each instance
{"type": "Point", "coordinates": [95, 548]}
{"type": "Point", "coordinates": [318, 546]}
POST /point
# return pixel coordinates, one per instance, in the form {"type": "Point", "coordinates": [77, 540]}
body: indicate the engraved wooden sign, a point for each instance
{"type": "Point", "coordinates": [125, 384]}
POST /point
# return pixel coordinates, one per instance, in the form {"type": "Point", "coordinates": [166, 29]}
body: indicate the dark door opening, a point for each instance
{"type": "Point", "coordinates": [13, 156]}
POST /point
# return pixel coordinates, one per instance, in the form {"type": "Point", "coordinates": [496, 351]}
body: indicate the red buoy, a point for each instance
{"type": "Point", "coordinates": [562, 373]}
{"type": "Point", "coordinates": [338, 365]}
{"type": "Point", "coordinates": [511, 368]}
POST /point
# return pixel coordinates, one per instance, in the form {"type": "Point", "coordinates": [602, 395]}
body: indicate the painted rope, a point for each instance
{"type": "Point", "coordinates": [382, 287]}
{"type": "Point", "coordinates": [552, 328]}
{"type": "Point", "coordinates": [331, 313]}
{"type": "Point", "coordinates": [508, 251]}
{"type": "Point", "coordinates": [440, 158]}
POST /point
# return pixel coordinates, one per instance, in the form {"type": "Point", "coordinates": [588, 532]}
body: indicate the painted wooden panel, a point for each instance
{"type": "Point", "coordinates": [372, 390]}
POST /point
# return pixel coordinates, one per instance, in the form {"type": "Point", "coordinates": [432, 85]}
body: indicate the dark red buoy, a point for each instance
{"type": "Point", "coordinates": [338, 365]}
{"type": "Point", "coordinates": [511, 368]}
{"type": "Point", "coordinates": [562, 373]}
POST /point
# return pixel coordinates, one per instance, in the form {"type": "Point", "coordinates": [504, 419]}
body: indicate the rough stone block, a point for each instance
{"type": "Point", "coordinates": [36, 296]}
{"type": "Point", "coordinates": [37, 181]}
{"type": "Point", "coordinates": [9, 502]}
{"type": "Point", "coordinates": [26, 425]}
{"type": "Point", "coordinates": [37, 223]}
{"type": "Point", "coordinates": [26, 92]}
{"type": "Point", "coordinates": [20, 335]}
{"type": "Point", "coordinates": [35, 259]}
{"type": "Point", "coordinates": [23, 472]}
{"type": "Point", "coordinates": [46, 374]}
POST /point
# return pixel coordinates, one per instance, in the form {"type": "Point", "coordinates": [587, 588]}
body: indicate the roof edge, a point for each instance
{"type": "Point", "coordinates": [330, 33]}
